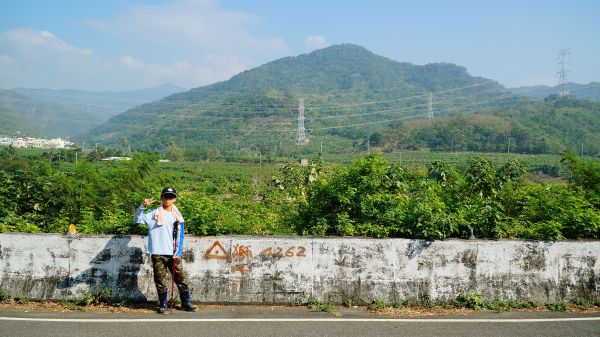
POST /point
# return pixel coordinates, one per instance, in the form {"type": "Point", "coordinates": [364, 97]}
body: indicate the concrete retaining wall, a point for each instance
{"type": "Point", "coordinates": [293, 269]}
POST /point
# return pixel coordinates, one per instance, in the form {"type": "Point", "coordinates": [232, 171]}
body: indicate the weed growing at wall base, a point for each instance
{"type": "Point", "coordinates": [4, 295]}
{"type": "Point", "coordinates": [471, 301]}
{"type": "Point", "coordinates": [475, 301]}
{"type": "Point", "coordinates": [559, 306]}
{"type": "Point", "coordinates": [97, 294]}
{"type": "Point", "coordinates": [378, 304]}
{"type": "Point", "coordinates": [316, 305]}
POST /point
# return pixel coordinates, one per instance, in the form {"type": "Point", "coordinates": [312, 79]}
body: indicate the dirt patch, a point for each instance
{"type": "Point", "coordinates": [141, 308]}
{"type": "Point", "coordinates": [150, 308]}
{"type": "Point", "coordinates": [409, 312]}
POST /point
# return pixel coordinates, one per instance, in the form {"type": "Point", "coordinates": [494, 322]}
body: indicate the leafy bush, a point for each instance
{"type": "Point", "coordinates": [4, 295]}
{"type": "Point", "coordinates": [472, 301]}
{"type": "Point", "coordinates": [369, 197]}
{"type": "Point", "coordinates": [558, 306]}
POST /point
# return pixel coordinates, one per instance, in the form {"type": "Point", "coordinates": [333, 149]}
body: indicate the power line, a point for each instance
{"type": "Point", "coordinates": [283, 120]}
{"type": "Point", "coordinates": [277, 118]}
{"type": "Point", "coordinates": [419, 115]}
{"type": "Point", "coordinates": [252, 129]}
{"type": "Point", "coordinates": [337, 107]}
{"type": "Point", "coordinates": [389, 110]}
{"type": "Point", "coordinates": [209, 105]}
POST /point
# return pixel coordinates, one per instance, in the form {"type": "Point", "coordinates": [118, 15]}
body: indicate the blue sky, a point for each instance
{"type": "Point", "coordinates": [132, 44]}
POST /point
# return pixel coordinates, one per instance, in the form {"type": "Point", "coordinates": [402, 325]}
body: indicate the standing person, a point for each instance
{"type": "Point", "coordinates": [165, 228]}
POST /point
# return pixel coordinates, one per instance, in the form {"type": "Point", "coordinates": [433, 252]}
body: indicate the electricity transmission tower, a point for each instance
{"type": "Point", "coordinates": [301, 132]}
{"type": "Point", "coordinates": [430, 108]}
{"type": "Point", "coordinates": [563, 72]}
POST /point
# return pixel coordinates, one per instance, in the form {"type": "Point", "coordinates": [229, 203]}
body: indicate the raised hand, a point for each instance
{"type": "Point", "coordinates": [147, 202]}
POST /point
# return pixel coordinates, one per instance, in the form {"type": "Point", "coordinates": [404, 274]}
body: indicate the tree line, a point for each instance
{"type": "Point", "coordinates": [369, 197]}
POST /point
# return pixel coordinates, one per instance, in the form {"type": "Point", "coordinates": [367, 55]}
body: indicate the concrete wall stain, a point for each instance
{"type": "Point", "coordinates": [468, 258]}
{"type": "Point", "coordinates": [532, 257]}
{"type": "Point", "coordinates": [188, 256]}
{"type": "Point", "coordinates": [279, 270]}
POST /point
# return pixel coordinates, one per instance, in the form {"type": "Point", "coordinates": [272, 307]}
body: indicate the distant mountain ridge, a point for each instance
{"type": "Point", "coordinates": [66, 113]}
{"type": "Point", "coordinates": [121, 99]}
{"type": "Point", "coordinates": [590, 91]}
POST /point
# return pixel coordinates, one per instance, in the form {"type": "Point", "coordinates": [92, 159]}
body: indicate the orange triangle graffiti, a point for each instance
{"type": "Point", "coordinates": [216, 251]}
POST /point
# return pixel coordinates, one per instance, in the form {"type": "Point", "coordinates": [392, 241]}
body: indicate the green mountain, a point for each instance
{"type": "Point", "coordinates": [551, 126]}
{"type": "Point", "coordinates": [354, 99]}
{"type": "Point", "coordinates": [348, 93]}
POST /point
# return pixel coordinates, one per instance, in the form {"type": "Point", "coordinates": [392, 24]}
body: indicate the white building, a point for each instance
{"type": "Point", "coordinates": [117, 158]}
{"type": "Point", "coordinates": [37, 143]}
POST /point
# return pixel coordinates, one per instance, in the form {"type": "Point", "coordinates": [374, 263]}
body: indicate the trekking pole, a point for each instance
{"type": "Point", "coordinates": [175, 227]}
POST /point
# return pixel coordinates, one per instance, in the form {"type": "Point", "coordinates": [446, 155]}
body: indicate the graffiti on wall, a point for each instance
{"type": "Point", "coordinates": [216, 251]}
{"type": "Point", "coordinates": [244, 252]}
{"type": "Point", "coordinates": [243, 256]}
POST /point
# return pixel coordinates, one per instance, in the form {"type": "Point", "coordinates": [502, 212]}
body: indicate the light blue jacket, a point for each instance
{"type": "Point", "coordinates": [160, 238]}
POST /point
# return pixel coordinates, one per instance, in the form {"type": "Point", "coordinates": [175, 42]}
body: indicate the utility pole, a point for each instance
{"type": "Point", "coordinates": [508, 151]}
{"type": "Point", "coordinates": [429, 108]}
{"type": "Point", "coordinates": [368, 146]}
{"type": "Point", "coordinates": [563, 72]}
{"type": "Point", "coordinates": [301, 132]}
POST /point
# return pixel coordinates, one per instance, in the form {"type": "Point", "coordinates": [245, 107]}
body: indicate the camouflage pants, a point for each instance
{"type": "Point", "coordinates": [160, 265]}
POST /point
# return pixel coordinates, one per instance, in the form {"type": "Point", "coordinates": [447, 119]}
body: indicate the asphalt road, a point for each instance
{"type": "Point", "coordinates": [281, 321]}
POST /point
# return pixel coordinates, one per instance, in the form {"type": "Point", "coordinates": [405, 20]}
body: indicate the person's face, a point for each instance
{"type": "Point", "coordinates": [168, 200]}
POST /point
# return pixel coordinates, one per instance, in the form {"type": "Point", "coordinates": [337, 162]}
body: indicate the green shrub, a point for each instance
{"type": "Point", "coordinates": [316, 305]}
{"type": "Point", "coordinates": [559, 306]}
{"type": "Point", "coordinates": [369, 197]}
{"type": "Point", "coordinates": [4, 295]}
{"type": "Point", "coordinates": [471, 301]}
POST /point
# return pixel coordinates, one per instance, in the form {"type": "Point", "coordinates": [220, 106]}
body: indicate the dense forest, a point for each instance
{"type": "Point", "coordinates": [45, 192]}
{"type": "Point", "coordinates": [354, 100]}
{"type": "Point", "coordinates": [532, 127]}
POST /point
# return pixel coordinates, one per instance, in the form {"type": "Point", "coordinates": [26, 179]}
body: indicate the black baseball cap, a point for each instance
{"type": "Point", "coordinates": [169, 191]}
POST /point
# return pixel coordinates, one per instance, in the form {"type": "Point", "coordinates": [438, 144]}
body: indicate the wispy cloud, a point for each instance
{"type": "Point", "coordinates": [217, 43]}
{"type": "Point", "coordinates": [192, 43]}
